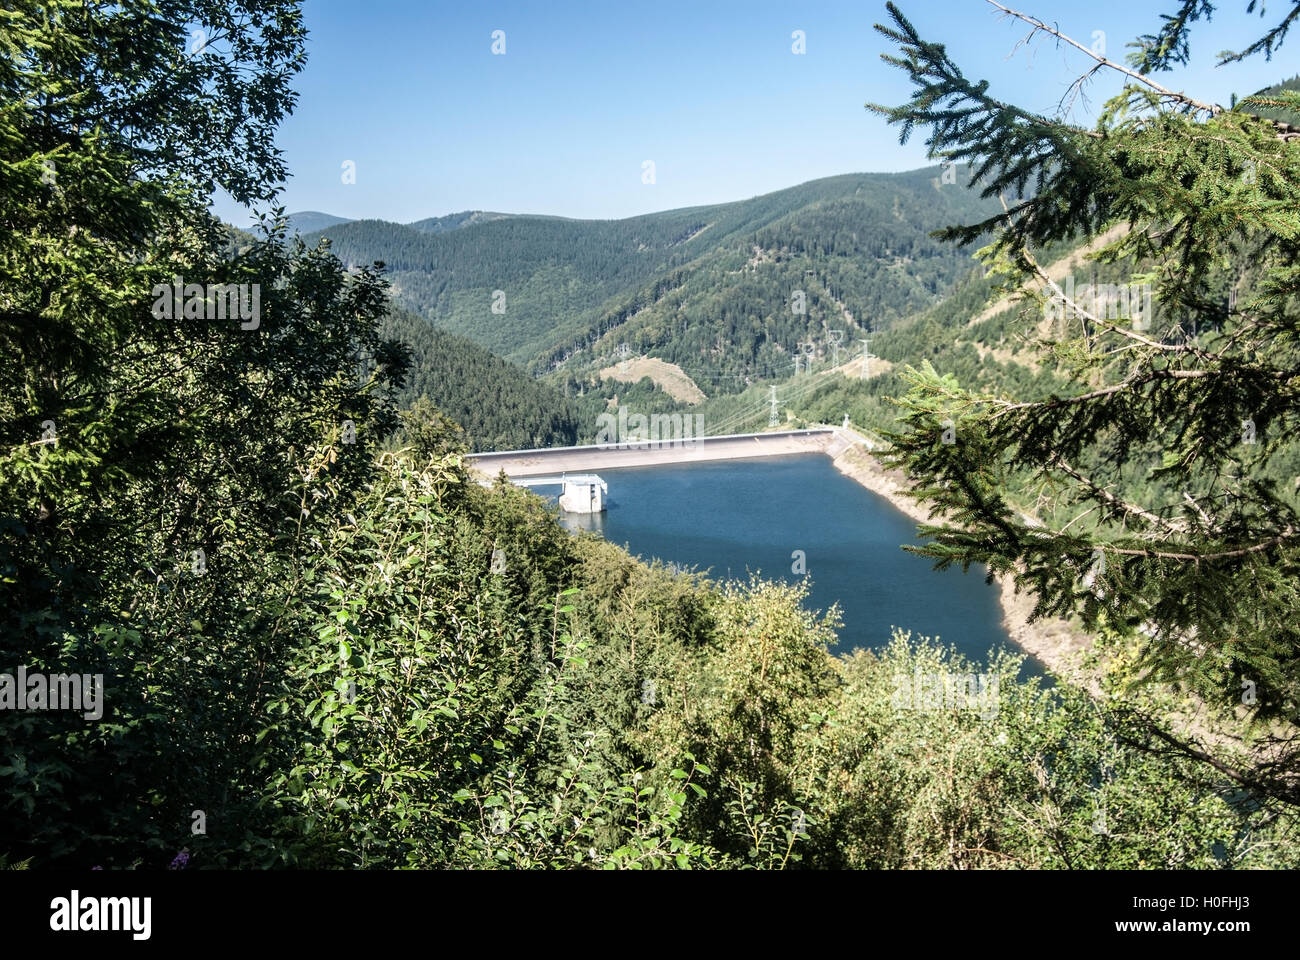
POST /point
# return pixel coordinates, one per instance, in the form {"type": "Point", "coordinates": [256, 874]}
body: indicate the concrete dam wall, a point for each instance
{"type": "Point", "coordinates": [560, 460]}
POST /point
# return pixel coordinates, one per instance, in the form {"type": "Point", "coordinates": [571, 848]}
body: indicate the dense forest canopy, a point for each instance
{"type": "Point", "coordinates": [498, 405]}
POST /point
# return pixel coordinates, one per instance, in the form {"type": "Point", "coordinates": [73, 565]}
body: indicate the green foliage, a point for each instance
{"type": "Point", "coordinates": [1279, 102]}
{"type": "Point", "coordinates": [441, 711]}
{"type": "Point", "coordinates": [156, 471]}
{"type": "Point", "coordinates": [1163, 511]}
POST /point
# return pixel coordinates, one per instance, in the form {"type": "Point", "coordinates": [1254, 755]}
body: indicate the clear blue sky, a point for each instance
{"type": "Point", "coordinates": [709, 90]}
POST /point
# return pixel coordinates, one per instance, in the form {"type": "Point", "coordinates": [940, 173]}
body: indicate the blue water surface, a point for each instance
{"type": "Point", "coordinates": [733, 517]}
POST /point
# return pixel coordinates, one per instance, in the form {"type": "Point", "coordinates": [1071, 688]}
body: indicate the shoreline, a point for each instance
{"type": "Point", "coordinates": [1054, 642]}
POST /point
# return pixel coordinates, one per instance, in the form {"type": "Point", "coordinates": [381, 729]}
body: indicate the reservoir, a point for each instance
{"type": "Point", "coordinates": [729, 518]}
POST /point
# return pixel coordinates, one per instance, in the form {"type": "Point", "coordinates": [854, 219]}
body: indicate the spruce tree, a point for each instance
{"type": "Point", "coordinates": [1196, 565]}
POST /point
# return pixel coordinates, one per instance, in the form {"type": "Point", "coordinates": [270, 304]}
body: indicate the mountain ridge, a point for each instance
{"type": "Point", "coordinates": [737, 285]}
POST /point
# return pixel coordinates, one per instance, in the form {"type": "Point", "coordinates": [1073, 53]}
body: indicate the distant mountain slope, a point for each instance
{"type": "Point", "coordinates": [714, 289]}
{"type": "Point", "coordinates": [454, 221]}
{"type": "Point", "coordinates": [310, 221]}
{"type": "Point", "coordinates": [313, 221]}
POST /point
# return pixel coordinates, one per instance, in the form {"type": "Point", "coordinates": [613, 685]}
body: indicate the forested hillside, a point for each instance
{"type": "Point", "coordinates": [498, 405]}
{"type": "Point", "coordinates": [985, 341]}
{"type": "Point", "coordinates": [310, 221]}
{"type": "Point", "coordinates": [713, 289]}
{"type": "Point", "coordinates": [453, 221]}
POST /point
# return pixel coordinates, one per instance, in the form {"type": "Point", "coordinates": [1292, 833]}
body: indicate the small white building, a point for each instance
{"type": "Point", "coordinates": [581, 492]}
{"type": "Point", "coordinates": [584, 493]}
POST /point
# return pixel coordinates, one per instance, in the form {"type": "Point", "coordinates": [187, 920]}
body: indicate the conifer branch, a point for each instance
{"type": "Point", "coordinates": [1164, 92]}
{"type": "Point", "coordinates": [1280, 787]}
{"type": "Point", "coordinates": [1267, 43]}
{"type": "Point", "coordinates": [1286, 535]}
{"type": "Point", "coordinates": [1135, 380]}
{"type": "Point", "coordinates": [1123, 506]}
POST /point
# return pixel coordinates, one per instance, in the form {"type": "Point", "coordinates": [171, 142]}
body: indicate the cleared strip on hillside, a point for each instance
{"type": "Point", "coordinates": [668, 377]}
